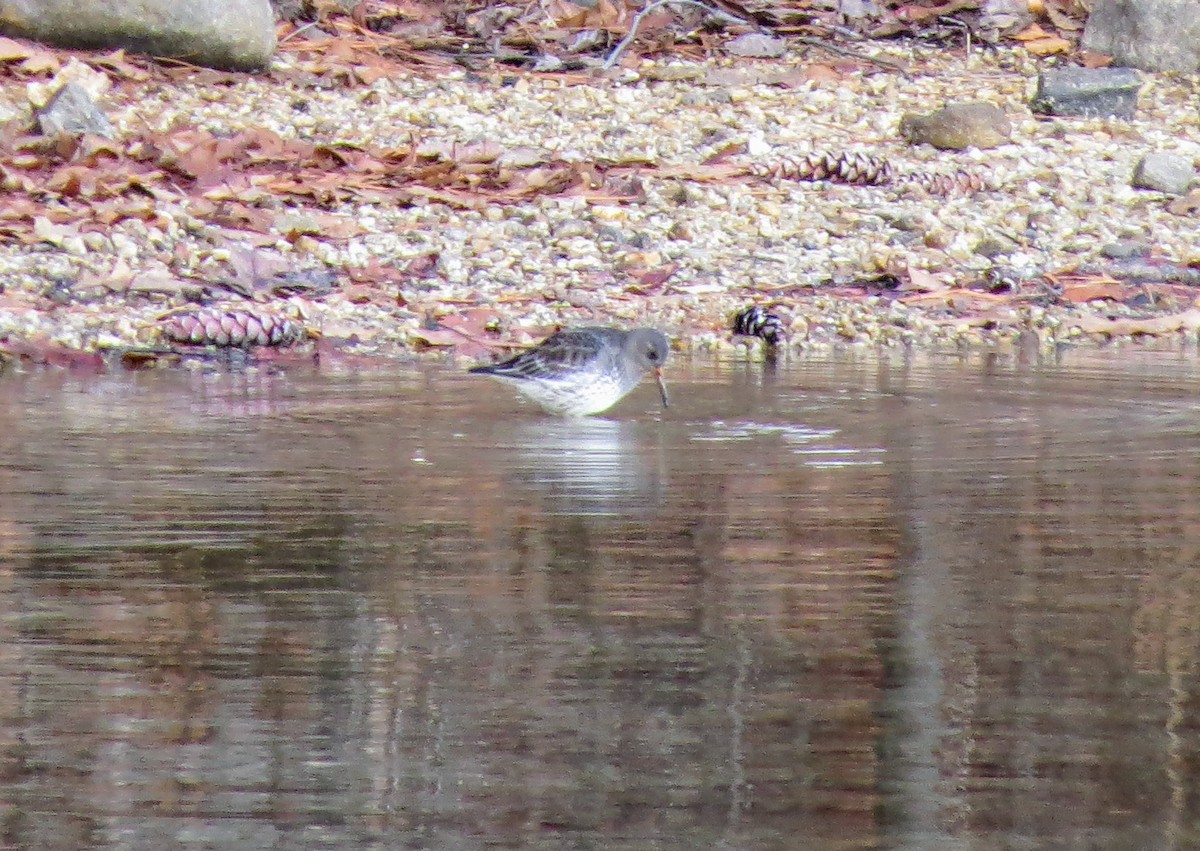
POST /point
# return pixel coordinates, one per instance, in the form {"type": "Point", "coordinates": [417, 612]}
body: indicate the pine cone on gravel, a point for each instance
{"type": "Point", "coordinates": [863, 169]}
{"type": "Point", "coordinates": [756, 321]}
{"type": "Point", "coordinates": [855, 168]}
{"type": "Point", "coordinates": [954, 183]}
{"type": "Point", "coordinates": [231, 328]}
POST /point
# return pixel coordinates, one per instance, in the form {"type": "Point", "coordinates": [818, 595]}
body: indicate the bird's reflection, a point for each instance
{"type": "Point", "coordinates": [593, 467]}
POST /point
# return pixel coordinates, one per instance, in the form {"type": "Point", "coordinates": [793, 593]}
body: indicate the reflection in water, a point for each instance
{"type": "Point", "coordinates": [587, 467]}
{"type": "Point", "coordinates": [849, 604]}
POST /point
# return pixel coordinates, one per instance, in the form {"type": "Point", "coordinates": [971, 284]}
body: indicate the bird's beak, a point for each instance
{"type": "Point", "coordinates": [662, 388]}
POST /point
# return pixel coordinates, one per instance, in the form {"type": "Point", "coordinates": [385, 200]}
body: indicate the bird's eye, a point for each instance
{"type": "Point", "coordinates": [652, 355]}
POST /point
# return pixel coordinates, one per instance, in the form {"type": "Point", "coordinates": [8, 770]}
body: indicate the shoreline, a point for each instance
{"type": "Point", "coordinates": [394, 275]}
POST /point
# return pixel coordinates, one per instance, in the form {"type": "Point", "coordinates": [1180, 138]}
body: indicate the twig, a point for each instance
{"type": "Point", "coordinates": [853, 54]}
{"type": "Point", "coordinates": [299, 30]}
{"type": "Point", "coordinates": [658, 4]}
{"type": "Point", "coordinates": [833, 29]}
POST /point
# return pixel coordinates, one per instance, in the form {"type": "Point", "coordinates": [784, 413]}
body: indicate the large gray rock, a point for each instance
{"type": "Point", "coordinates": [1155, 35]}
{"type": "Point", "coordinates": [1090, 92]}
{"type": "Point", "coordinates": [230, 34]}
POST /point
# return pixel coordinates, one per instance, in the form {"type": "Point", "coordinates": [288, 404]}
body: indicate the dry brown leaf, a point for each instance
{"type": "Point", "coordinates": [565, 14]}
{"type": "Point", "coordinates": [1186, 205]}
{"type": "Point", "coordinates": [438, 337]}
{"type": "Point", "coordinates": [118, 64]}
{"type": "Point", "coordinates": [1062, 18]}
{"type": "Point", "coordinates": [606, 15]}
{"type": "Point", "coordinates": [1033, 32]}
{"type": "Point", "coordinates": [921, 280]}
{"type": "Point", "coordinates": [1092, 291]}
{"type": "Point", "coordinates": [368, 73]}
{"type": "Point", "coordinates": [1091, 59]}
{"type": "Point", "coordinates": [821, 73]}
{"type": "Point", "coordinates": [471, 323]}
{"type": "Point", "coordinates": [423, 266]}
{"type": "Point", "coordinates": [158, 281]}
{"type": "Point", "coordinates": [363, 294]}
{"type": "Point", "coordinates": [338, 227]}
{"type": "Point", "coordinates": [652, 278]}
{"type": "Point", "coordinates": [1048, 46]}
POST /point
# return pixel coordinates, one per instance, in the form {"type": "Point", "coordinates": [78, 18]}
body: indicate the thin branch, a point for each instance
{"type": "Point", "coordinates": [298, 30]}
{"type": "Point", "coordinates": [853, 54]}
{"type": "Point", "coordinates": [655, 6]}
{"type": "Point", "coordinates": [833, 29]}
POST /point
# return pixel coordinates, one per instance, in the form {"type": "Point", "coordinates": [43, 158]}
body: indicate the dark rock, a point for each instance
{"type": "Point", "coordinates": [1123, 249]}
{"type": "Point", "coordinates": [1090, 92]}
{"type": "Point", "coordinates": [73, 111]}
{"type": "Point", "coordinates": [995, 246]}
{"type": "Point", "coordinates": [1164, 172]}
{"type": "Point", "coordinates": [229, 34]}
{"type": "Point", "coordinates": [1155, 35]}
{"type": "Point", "coordinates": [958, 126]}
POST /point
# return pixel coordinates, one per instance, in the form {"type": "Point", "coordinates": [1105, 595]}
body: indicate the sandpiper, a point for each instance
{"type": "Point", "coordinates": [582, 371]}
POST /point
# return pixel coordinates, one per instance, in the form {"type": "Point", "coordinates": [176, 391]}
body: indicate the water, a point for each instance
{"type": "Point", "coordinates": [847, 604]}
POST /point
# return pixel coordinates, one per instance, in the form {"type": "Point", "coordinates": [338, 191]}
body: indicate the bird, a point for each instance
{"type": "Point", "coordinates": [582, 371]}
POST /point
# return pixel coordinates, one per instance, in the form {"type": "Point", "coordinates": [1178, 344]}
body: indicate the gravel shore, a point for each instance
{"type": "Point", "coordinates": [685, 254]}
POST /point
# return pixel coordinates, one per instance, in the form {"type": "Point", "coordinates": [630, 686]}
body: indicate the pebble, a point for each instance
{"type": "Point", "coordinates": [1164, 172]}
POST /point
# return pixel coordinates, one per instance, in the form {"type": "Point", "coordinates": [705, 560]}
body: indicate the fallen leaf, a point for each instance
{"type": "Point", "coordinates": [1081, 293]}
{"type": "Point", "coordinates": [437, 337]}
{"type": "Point", "coordinates": [819, 72]}
{"type": "Point", "coordinates": [1048, 46]}
{"type": "Point", "coordinates": [364, 294]}
{"type": "Point", "coordinates": [1186, 205]}
{"type": "Point", "coordinates": [1061, 18]}
{"type": "Point", "coordinates": [921, 280]}
{"type": "Point", "coordinates": [1091, 59]}
{"type": "Point", "coordinates": [423, 266]}
{"type": "Point", "coordinates": [119, 65]}
{"type": "Point", "coordinates": [1033, 32]}
{"type": "Point", "coordinates": [159, 282]}
{"type": "Point", "coordinates": [652, 278]}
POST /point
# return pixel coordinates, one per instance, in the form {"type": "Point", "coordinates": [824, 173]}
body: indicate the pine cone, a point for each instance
{"type": "Point", "coordinates": [954, 183]}
{"type": "Point", "coordinates": [237, 328]}
{"type": "Point", "coordinates": [759, 322]}
{"type": "Point", "coordinates": [855, 168]}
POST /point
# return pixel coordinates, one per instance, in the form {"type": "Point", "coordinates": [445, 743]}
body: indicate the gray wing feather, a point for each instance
{"type": "Point", "coordinates": [558, 356]}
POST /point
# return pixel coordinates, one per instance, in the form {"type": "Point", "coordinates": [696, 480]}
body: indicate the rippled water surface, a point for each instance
{"type": "Point", "coordinates": [932, 604]}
